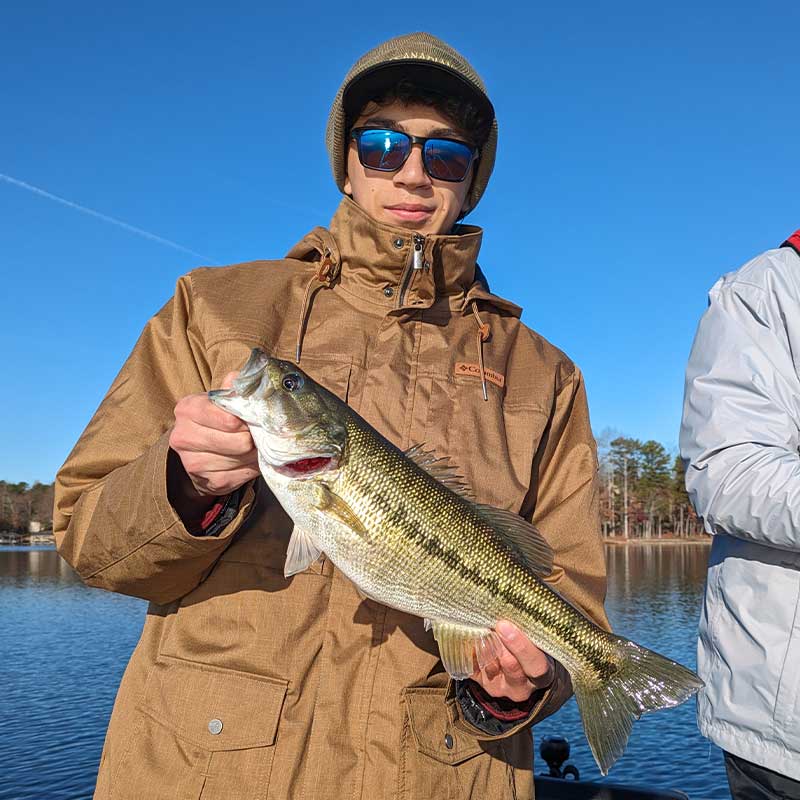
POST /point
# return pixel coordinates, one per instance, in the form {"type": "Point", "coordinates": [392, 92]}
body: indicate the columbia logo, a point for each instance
{"type": "Point", "coordinates": [474, 371]}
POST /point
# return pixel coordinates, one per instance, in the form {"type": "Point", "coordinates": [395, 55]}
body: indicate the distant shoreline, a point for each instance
{"type": "Point", "coordinates": [44, 537]}
{"type": "Point", "coordinates": [618, 541]}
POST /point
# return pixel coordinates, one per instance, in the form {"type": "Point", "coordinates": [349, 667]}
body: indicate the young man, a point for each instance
{"type": "Point", "coordinates": [246, 684]}
{"type": "Point", "coordinates": [740, 439]}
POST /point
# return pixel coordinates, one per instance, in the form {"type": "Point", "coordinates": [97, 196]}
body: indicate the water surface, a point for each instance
{"type": "Point", "coordinates": [654, 597]}
{"type": "Point", "coordinates": [63, 648]}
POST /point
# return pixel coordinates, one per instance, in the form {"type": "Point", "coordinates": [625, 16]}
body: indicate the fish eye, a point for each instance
{"type": "Point", "coordinates": [292, 382]}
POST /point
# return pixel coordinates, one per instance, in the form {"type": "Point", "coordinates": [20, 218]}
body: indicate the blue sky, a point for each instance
{"type": "Point", "coordinates": [645, 148]}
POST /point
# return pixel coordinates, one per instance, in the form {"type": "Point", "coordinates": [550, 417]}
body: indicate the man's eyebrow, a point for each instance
{"type": "Point", "coordinates": [383, 122]}
{"type": "Point", "coordinates": [447, 133]}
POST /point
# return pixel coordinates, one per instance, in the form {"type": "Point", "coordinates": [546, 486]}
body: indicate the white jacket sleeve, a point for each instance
{"type": "Point", "coordinates": [739, 435]}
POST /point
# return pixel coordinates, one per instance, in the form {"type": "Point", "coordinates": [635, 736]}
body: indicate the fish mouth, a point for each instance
{"type": "Point", "coordinates": [221, 394]}
{"type": "Point", "coordinates": [307, 467]}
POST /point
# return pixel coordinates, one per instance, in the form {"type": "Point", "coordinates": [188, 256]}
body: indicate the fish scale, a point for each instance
{"type": "Point", "coordinates": [401, 528]}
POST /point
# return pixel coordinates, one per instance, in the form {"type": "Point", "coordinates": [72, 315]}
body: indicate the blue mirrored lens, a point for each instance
{"type": "Point", "coordinates": [383, 150]}
{"type": "Point", "coordinates": [447, 160]}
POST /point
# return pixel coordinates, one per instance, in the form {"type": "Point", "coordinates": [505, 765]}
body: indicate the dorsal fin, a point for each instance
{"type": "Point", "coordinates": [522, 536]}
{"type": "Point", "coordinates": [518, 532]}
{"type": "Point", "coordinates": [440, 469]}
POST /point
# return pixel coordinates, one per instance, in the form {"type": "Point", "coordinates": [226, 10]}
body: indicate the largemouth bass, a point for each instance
{"type": "Point", "coordinates": [406, 532]}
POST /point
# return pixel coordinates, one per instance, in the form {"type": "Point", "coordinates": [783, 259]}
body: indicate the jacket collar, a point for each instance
{"type": "Point", "coordinates": [375, 262]}
{"type": "Point", "coordinates": [378, 259]}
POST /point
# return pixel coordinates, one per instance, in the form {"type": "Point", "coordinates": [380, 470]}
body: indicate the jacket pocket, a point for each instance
{"type": "Point", "coordinates": [787, 696]}
{"type": "Point", "coordinates": [204, 734]}
{"type": "Point", "coordinates": [749, 644]}
{"type": "Point", "coordinates": [491, 442]}
{"type": "Point", "coordinates": [439, 760]}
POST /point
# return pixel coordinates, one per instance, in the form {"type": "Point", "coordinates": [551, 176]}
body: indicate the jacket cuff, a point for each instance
{"type": "Point", "coordinates": [220, 515]}
{"type": "Point", "coordinates": [141, 546]}
{"type": "Point", "coordinates": [554, 696]}
{"type": "Point", "coordinates": [486, 717]}
{"type": "Point", "coordinates": [492, 716]}
{"type": "Point", "coordinates": [193, 533]}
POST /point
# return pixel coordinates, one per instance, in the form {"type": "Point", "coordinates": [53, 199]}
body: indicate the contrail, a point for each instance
{"type": "Point", "coordinates": [92, 213]}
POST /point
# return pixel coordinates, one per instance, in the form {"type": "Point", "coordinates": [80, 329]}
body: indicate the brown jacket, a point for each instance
{"type": "Point", "coordinates": [319, 692]}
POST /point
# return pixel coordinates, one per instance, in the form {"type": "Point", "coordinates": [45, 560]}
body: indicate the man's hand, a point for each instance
{"type": "Point", "coordinates": [216, 454]}
{"type": "Point", "coordinates": [520, 669]}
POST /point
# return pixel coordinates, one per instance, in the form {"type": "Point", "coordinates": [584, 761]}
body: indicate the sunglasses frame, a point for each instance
{"type": "Point", "coordinates": [355, 134]}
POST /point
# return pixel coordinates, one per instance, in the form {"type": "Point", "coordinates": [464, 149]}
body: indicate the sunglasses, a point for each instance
{"type": "Point", "coordinates": [386, 151]}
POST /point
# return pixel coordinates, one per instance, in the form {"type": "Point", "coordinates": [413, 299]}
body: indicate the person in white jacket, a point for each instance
{"type": "Point", "coordinates": [740, 441]}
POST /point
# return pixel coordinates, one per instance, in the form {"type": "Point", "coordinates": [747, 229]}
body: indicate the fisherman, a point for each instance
{"type": "Point", "coordinates": [248, 684]}
{"type": "Point", "coordinates": [740, 440]}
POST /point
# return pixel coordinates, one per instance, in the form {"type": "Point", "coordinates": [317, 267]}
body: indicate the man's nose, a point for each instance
{"type": "Point", "coordinates": [412, 173]}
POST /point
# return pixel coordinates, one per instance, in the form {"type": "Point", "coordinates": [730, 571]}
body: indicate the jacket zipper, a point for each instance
{"type": "Point", "coordinates": [416, 264]}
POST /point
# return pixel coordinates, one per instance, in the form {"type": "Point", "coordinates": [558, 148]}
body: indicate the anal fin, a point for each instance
{"type": "Point", "coordinates": [461, 646]}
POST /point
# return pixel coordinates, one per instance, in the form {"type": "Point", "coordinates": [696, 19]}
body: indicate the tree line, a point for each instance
{"type": "Point", "coordinates": [21, 504]}
{"type": "Point", "coordinates": [642, 494]}
{"type": "Point", "coordinates": [642, 490]}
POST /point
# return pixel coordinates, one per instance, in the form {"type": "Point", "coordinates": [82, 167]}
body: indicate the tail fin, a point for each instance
{"type": "Point", "coordinates": [643, 681]}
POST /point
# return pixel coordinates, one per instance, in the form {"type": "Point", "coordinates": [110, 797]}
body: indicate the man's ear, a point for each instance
{"type": "Point", "coordinates": [347, 188]}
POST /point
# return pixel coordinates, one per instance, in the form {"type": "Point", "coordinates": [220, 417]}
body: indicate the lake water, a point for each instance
{"type": "Point", "coordinates": [654, 597]}
{"type": "Point", "coordinates": [63, 648]}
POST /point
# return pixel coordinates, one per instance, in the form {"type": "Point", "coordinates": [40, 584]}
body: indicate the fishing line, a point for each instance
{"type": "Point", "coordinates": [104, 217]}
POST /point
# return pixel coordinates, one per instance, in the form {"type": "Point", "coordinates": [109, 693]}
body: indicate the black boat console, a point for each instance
{"type": "Point", "coordinates": [563, 781]}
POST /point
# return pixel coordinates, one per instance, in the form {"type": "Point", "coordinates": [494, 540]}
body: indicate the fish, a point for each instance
{"type": "Point", "coordinates": [404, 528]}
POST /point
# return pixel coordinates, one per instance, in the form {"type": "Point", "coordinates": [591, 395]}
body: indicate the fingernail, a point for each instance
{"type": "Point", "coordinates": [506, 630]}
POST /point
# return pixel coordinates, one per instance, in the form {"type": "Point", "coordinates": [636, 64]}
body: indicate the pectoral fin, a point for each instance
{"type": "Point", "coordinates": [459, 643]}
{"type": "Point", "coordinates": [302, 552]}
{"type": "Point", "coordinates": [330, 503]}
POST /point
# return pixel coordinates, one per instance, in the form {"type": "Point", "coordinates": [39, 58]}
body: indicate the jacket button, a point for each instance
{"type": "Point", "coordinates": [215, 727]}
{"type": "Point", "coordinates": [398, 243]}
{"type": "Point", "coordinates": [448, 741]}
{"type": "Point", "coordinates": [388, 291]}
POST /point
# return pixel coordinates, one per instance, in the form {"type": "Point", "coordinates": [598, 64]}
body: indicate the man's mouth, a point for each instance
{"type": "Point", "coordinates": [414, 212]}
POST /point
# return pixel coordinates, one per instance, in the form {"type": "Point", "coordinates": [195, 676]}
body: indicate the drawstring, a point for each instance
{"type": "Point", "coordinates": [483, 335]}
{"type": "Point", "coordinates": [324, 276]}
